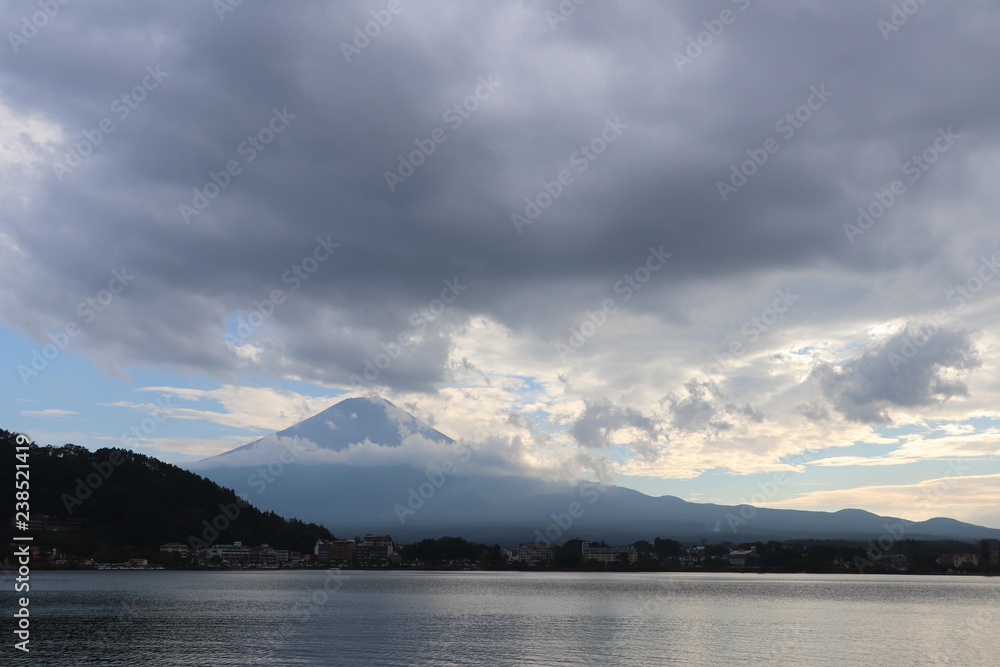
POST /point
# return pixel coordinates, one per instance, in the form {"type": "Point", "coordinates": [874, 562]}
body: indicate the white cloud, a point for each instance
{"type": "Point", "coordinates": [243, 407]}
{"type": "Point", "coordinates": [954, 496]}
{"type": "Point", "coordinates": [50, 412]}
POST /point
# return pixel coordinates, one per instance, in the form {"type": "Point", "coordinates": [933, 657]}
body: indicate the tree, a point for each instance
{"type": "Point", "coordinates": [570, 554]}
{"type": "Point", "coordinates": [642, 546]}
{"type": "Point", "coordinates": [667, 548]}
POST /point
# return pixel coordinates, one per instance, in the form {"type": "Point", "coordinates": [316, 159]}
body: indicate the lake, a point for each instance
{"type": "Point", "coordinates": [288, 617]}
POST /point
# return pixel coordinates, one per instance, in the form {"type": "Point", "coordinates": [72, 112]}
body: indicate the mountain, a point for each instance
{"type": "Point", "coordinates": [364, 465]}
{"type": "Point", "coordinates": [115, 504]}
{"type": "Point", "coordinates": [350, 421]}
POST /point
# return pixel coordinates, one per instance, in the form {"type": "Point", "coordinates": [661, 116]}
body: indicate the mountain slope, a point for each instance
{"type": "Point", "coordinates": [351, 421]}
{"type": "Point", "coordinates": [424, 496]}
{"type": "Point", "coordinates": [129, 504]}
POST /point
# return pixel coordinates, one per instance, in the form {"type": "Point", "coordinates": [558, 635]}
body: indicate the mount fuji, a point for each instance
{"type": "Point", "coordinates": [364, 465]}
{"type": "Point", "coordinates": [352, 421]}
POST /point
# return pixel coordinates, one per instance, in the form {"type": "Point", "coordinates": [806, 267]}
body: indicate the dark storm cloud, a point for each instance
{"type": "Point", "coordinates": [348, 123]}
{"type": "Point", "coordinates": [704, 408]}
{"type": "Point", "coordinates": [601, 420]}
{"type": "Point", "coordinates": [915, 367]}
{"type": "Point", "coordinates": [814, 411]}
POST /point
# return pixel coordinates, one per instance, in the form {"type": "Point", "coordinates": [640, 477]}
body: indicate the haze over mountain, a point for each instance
{"type": "Point", "coordinates": [365, 465]}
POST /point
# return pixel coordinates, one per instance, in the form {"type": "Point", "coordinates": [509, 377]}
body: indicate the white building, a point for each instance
{"type": "Point", "coordinates": [535, 553]}
{"type": "Point", "coordinates": [605, 555]}
{"type": "Point", "coordinates": [741, 557]}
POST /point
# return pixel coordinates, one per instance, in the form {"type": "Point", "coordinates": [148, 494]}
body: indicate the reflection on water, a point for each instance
{"type": "Point", "coordinates": [506, 618]}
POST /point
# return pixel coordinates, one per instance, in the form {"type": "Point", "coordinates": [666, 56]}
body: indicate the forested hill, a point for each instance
{"type": "Point", "coordinates": [130, 504]}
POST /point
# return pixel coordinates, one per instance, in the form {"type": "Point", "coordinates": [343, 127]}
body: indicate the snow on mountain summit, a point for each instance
{"type": "Point", "coordinates": [351, 421]}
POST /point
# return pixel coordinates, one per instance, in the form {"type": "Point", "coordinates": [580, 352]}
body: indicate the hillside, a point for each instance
{"type": "Point", "coordinates": [365, 465]}
{"type": "Point", "coordinates": [114, 504]}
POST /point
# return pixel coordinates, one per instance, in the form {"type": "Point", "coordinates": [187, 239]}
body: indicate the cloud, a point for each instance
{"type": "Point", "coordinates": [239, 295]}
{"type": "Point", "coordinates": [923, 500]}
{"type": "Point", "coordinates": [492, 455]}
{"type": "Point", "coordinates": [704, 408]}
{"type": "Point", "coordinates": [601, 420]}
{"type": "Point", "coordinates": [451, 219]}
{"type": "Point", "coordinates": [865, 388]}
{"type": "Point", "coordinates": [814, 411]}
{"type": "Point", "coordinates": [172, 448]}
{"type": "Point", "coordinates": [50, 412]}
{"type": "Point", "coordinates": [241, 406]}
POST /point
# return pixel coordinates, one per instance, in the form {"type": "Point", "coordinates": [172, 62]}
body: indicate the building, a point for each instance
{"type": "Point", "coordinates": [342, 551]}
{"type": "Point", "coordinates": [175, 548]}
{"type": "Point", "coordinates": [228, 554]}
{"type": "Point", "coordinates": [264, 555]}
{"type": "Point", "coordinates": [743, 557]}
{"type": "Point", "coordinates": [321, 552]}
{"type": "Point", "coordinates": [535, 553]}
{"type": "Point", "coordinates": [959, 560]}
{"type": "Point", "coordinates": [374, 549]}
{"type": "Point", "coordinates": [605, 555]}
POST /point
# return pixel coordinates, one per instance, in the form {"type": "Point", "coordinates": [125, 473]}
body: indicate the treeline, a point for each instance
{"type": "Point", "coordinates": [130, 504]}
{"type": "Point", "coordinates": [815, 556]}
{"type": "Point", "coordinates": [903, 556]}
{"type": "Point", "coordinates": [449, 551]}
{"type": "Point", "coordinates": [667, 555]}
{"type": "Point", "coordinates": [452, 550]}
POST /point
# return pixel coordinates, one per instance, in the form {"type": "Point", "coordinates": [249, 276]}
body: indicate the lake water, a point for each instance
{"type": "Point", "coordinates": [507, 618]}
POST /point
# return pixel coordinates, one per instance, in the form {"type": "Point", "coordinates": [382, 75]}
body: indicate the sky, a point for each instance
{"type": "Point", "coordinates": [733, 251]}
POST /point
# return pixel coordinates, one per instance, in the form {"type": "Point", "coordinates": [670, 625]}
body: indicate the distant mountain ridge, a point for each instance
{"type": "Point", "coordinates": [418, 500]}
